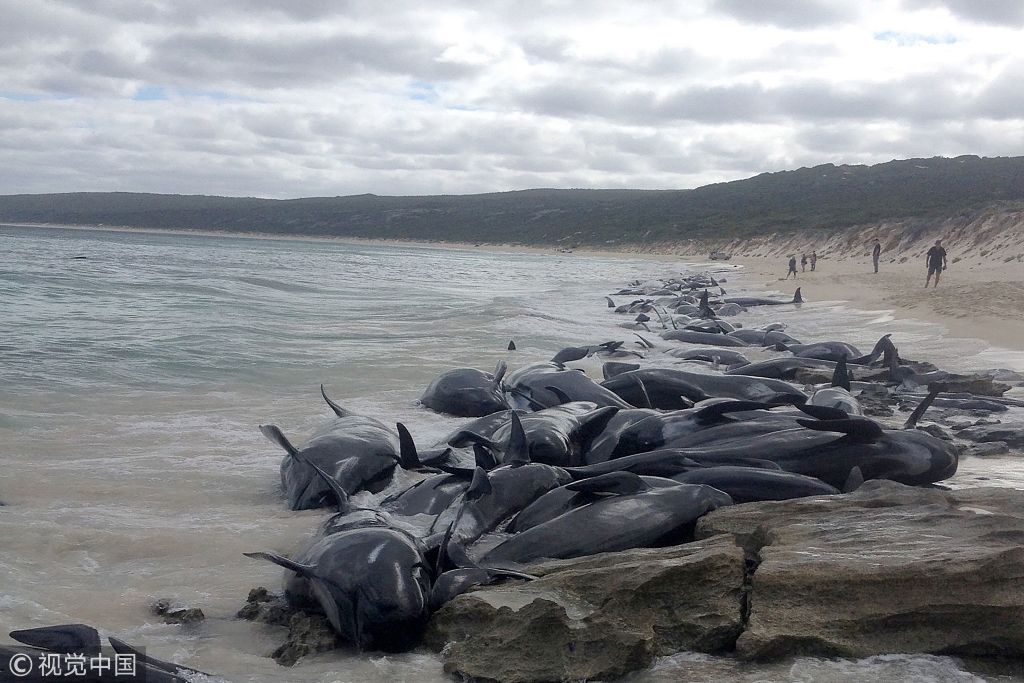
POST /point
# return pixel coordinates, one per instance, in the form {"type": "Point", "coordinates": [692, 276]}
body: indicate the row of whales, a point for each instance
{"type": "Point", "coordinates": [557, 465]}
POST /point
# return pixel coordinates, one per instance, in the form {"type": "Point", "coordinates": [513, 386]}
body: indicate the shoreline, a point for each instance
{"type": "Point", "coordinates": [977, 299]}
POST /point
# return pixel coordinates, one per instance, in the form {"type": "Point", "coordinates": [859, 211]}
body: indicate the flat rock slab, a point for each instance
{"type": "Point", "coordinates": [1011, 436]}
{"type": "Point", "coordinates": [597, 617]}
{"type": "Point", "coordinates": [887, 569]}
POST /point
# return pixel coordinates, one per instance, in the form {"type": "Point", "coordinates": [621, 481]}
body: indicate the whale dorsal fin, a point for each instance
{"type": "Point", "coordinates": [840, 377]}
{"type": "Point", "coordinates": [511, 345]}
{"type": "Point", "coordinates": [409, 459]}
{"type": "Point", "coordinates": [797, 299]}
{"type": "Point", "coordinates": [338, 410]}
{"type": "Point", "coordinates": [517, 452]}
{"type": "Point", "coordinates": [559, 394]}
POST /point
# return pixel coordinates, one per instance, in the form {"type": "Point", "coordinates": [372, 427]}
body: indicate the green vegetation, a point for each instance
{"type": "Point", "coordinates": [823, 197]}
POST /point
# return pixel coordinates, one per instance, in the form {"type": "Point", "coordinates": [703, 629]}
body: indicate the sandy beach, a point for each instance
{"type": "Point", "coordinates": [974, 299]}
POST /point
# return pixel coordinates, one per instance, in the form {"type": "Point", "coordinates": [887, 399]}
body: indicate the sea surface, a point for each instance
{"type": "Point", "coordinates": [135, 368]}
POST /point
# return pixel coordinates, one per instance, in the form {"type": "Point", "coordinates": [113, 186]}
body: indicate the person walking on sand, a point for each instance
{"type": "Point", "coordinates": [803, 263]}
{"type": "Point", "coordinates": [814, 260]}
{"type": "Point", "coordinates": [936, 259]}
{"type": "Point", "coordinates": [792, 267]}
{"type": "Point", "coordinates": [876, 253]}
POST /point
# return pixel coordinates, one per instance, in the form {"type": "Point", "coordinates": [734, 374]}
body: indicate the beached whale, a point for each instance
{"type": "Point", "coordinates": [530, 387]}
{"type": "Point", "coordinates": [748, 301]}
{"type": "Point", "coordinates": [508, 490]}
{"type": "Point", "coordinates": [621, 519]}
{"type": "Point", "coordinates": [553, 436]}
{"type": "Point", "coordinates": [564, 498]}
{"type": "Point", "coordinates": [359, 452]}
{"type": "Point", "coordinates": [830, 449]}
{"type": "Point", "coordinates": [64, 647]}
{"type": "Point", "coordinates": [838, 395]}
{"type": "Point", "coordinates": [749, 484]}
{"type": "Point", "coordinates": [763, 337]}
{"type": "Point", "coordinates": [373, 584]}
{"type": "Point", "coordinates": [664, 430]}
{"type": "Point", "coordinates": [467, 392]}
{"type": "Point", "coordinates": [706, 338]}
{"type": "Point", "coordinates": [694, 386]}
{"type": "Point", "coordinates": [784, 367]}
{"type": "Point", "coordinates": [713, 355]}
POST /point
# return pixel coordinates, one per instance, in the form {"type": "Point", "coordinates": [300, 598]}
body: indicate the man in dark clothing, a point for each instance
{"type": "Point", "coordinates": [814, 260]}
{"type": "Point", "coordinates": [792, 268]}
{"type": "Point", "coordinates": [936, 258]}
{"type": "Point", "coordinates": [875, 253]}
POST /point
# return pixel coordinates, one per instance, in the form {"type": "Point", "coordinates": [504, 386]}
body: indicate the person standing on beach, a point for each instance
{"type": "Point", "coordinates": [876, 253]}
{"type": "Point", "coordinates": [792, 267]}
{"type": "Point", "coordinates": [803, 263]}
{"type": "Point", "coordinates": [814, 260]}
{"type": "Point", "coordinates": [936, 258]}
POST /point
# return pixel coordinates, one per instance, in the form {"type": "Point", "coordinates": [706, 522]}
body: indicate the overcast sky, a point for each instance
{"type": "Point", "coordinates": [299, 98]}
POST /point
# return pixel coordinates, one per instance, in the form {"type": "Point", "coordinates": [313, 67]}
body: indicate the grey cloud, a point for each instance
{"type": "Point", "coordinates": [715, 103]}
{"type": "Point", "coordinates": [287, 62]}
{"type": "Point", "coordinates": [1003, 98]}
{"type": "Point", "coordinates": [795, 14]}
{"type": "Point", "coordinates": [998, 12]}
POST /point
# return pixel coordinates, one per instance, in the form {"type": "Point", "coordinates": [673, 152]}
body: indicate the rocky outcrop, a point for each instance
{"type": "Point", "coordinates": [888, 569]}
{"type": "Point", "coordinates": [1011, 436]}
{"type": "Point", "coordinates": [174, 612]}
{"type": "Point", "coordinates": [307, 633]}
{"type": "Point", "coordinates": [597, 617]}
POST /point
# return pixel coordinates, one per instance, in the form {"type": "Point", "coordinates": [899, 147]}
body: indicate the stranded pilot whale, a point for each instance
{"type": "Point", "coordinates": [359, 452]}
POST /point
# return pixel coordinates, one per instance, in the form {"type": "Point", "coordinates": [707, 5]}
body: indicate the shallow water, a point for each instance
{"type": "Point", "coordinates": [132, 381]}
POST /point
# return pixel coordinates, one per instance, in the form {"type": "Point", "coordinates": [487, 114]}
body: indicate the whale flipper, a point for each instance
{"type": "Point", "coordinates": [69, 638]}
{"type": "Point", "coordinates": [306, 570]}
{"type": "Point", "coordinates": [274, 433]}
{"type": "Point", "coordinates": [613, 483]}
{"type": "Point", "coordinates": [860, 429]}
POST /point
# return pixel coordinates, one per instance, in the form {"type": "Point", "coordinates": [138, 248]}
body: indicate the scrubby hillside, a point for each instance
{"type": "Point", "coordinates": [803, 202]}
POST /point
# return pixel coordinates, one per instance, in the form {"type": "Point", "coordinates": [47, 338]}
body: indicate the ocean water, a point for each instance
{"type": "Point", "coordinates": [132, 381]}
